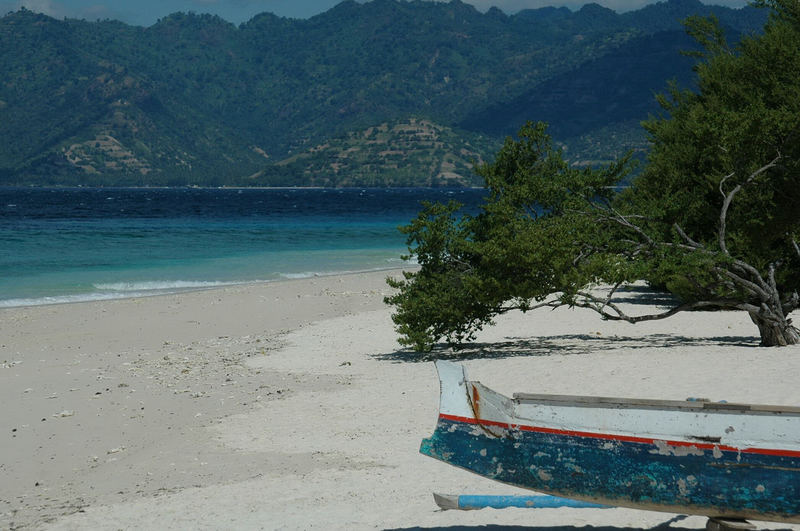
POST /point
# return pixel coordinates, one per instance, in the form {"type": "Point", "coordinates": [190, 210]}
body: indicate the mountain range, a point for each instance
{"type": "Point", "coordinates": [383, 93]}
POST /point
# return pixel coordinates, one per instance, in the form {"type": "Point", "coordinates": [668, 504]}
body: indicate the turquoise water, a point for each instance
{"type": "Point", "coordinates": [68, 245]}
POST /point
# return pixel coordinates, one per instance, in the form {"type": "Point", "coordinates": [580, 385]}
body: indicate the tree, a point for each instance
{"type": "Point", "coordinates": [725, 169]}
{"type": "Point", "coordinates": [530, 241]}
{"type": "Point", "coordinates": [714, 216]}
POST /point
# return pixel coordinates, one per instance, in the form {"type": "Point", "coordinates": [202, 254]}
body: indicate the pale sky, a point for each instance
{"type": "Point", "coordinates": [146, 12]}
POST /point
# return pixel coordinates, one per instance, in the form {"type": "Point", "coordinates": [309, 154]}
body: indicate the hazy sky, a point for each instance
{"type": "Point", "coordinates": [146, 12]}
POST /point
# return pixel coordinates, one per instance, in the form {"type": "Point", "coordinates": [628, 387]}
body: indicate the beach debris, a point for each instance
{"type": "Point", "coordinates": [115, 450]}
{"type": "Point", "coordinates": [65, 413]}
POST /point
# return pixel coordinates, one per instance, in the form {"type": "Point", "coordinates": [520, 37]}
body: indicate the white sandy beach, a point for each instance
{"type": "Point", "coordinates": [290, 405]}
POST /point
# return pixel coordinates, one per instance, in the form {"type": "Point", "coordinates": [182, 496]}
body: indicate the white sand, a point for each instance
{"type": "Point", "coordinates": [291, 406]}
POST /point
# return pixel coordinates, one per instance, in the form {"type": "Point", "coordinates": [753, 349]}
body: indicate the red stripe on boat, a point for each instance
{"type": "Point", "coordinates": [619, 438]}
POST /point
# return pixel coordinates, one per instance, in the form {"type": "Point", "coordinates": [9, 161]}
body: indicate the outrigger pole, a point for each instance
{"type": "Point", "coordinates": [468, 502]}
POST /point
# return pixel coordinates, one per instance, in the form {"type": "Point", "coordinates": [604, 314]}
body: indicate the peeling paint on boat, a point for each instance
{"type": "Point", "coordinates": [738, 461]}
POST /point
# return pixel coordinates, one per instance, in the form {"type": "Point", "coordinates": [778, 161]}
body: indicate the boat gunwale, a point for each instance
{"type": "Point", "coordinates": [643, 403]}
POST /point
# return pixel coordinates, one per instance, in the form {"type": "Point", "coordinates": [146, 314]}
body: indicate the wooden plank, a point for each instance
{"type": "Point", "coordinates": [643, 403]}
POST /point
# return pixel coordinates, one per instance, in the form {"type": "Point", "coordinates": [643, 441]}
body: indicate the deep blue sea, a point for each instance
{"type": "Point", "coordinates": [77, 244]}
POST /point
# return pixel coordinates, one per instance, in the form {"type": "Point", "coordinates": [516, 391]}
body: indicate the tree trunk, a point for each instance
{"type": "Point", "coordinates": [775, 332]}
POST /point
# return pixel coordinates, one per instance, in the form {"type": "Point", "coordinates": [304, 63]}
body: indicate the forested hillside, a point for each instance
{"type": "Point", "coordinates": [382, 93]}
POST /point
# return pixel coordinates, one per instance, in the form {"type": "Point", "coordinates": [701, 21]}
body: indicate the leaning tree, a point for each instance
{"type": "Point", "coordinates": [714, 217]}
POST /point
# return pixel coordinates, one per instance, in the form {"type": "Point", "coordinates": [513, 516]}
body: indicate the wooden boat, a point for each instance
{"type": "Point", "coordinates": [731, 461]}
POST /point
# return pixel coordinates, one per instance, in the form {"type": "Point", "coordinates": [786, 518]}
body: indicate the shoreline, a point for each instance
{"type": "Point", "coordinates": [211, 285]}
{"type": "Point", "coordinates": [290, 405]}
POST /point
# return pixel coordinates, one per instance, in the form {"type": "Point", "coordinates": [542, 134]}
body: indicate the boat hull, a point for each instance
{"type": "Point", "coordinates": [477, 430]}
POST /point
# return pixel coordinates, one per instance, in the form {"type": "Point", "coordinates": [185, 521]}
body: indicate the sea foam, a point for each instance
{"type": "Point", "coordinates": [162, 285]}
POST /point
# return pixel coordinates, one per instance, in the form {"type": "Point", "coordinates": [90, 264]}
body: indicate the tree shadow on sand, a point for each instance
{"type": "Point", "coordinates": [562, 344]}
{"type": "Point", "coordinates": [667, 525]}
{"type": "Point", "coordinates": [528, 528]}
{"type": "Point", "coordinates": [644, 296]}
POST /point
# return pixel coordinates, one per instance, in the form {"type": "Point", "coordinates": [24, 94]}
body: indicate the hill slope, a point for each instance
{"type": "Point", "coordinates": [196, 100]}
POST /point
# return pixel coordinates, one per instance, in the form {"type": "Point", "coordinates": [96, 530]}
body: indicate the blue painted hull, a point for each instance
{"type": "Point", "coordinates": [628, 474]}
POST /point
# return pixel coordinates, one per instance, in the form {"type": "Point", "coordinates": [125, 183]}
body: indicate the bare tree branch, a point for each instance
{"type": "Point", "coordinates": [525, 308]}
{"type": "Point", "coordinates": [587, 251]}
{"type": "Point", "coordinates": [686, 238]}
{"type": "Point", "coordinates": [752, 287]}
{"type": "Point", "coordinates": [620, 219]}
{"type": "Point", "coordinates": [752, 271]}
{"type": "Point", "coordinates": [612, 292]}
{"type": "Point", "coordinates": [591, 303]}
{"type": "Point", "coordinates": [728, 198]}
{"type": "Point", "coordinates": [722, 181]}
{"type": "Point", "coordinates": [776, 297]}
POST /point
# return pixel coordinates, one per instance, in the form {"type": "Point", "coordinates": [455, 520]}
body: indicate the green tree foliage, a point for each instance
{"type": "Point", "coordinates": [529, 241]}
{"type": "Point", "coordinates": [724, 169]}
{"type": "Point", "coordinates": [714, 217]}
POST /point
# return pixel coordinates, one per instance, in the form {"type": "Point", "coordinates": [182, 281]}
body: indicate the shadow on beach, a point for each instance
{"type": "Point", "coordinates": [527, 528]}
{"type": "Point", "coordinates": [645, 296]}
{"type": "Point", "coordinates": [662, 526]}
{"type": "Point", "coordinates": [533, 528]}
{"type": "Point", "coordinates": [562, 344]}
